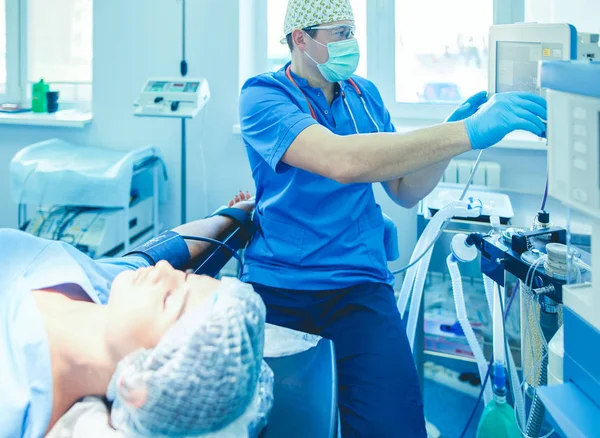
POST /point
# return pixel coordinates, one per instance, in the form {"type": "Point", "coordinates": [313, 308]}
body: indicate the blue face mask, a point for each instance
{"type": "Point", "coordinates": [343, 60]}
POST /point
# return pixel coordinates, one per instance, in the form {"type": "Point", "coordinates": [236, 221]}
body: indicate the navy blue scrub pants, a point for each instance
{"type": "Point", "coordinates": [378, 388]}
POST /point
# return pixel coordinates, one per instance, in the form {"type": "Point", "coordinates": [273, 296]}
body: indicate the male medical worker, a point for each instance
{"type": "Point", "coordinates": [317, 137]}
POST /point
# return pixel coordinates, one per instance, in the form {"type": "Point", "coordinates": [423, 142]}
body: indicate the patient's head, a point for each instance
{"type": "Point", "coordinates": [203, 373]}
{"type": "Point", "coordinates": [145, 303]}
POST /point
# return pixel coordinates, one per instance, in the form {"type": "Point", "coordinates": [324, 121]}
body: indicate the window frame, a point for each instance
{"type": "Point", "coordinates": [17, 58]}
{"type": "Point", "coordinates": [505, 12]}
{"type": "Point", "coordinates": [13, 52]}
{"type": "Point", "coordinates": [381, 55]}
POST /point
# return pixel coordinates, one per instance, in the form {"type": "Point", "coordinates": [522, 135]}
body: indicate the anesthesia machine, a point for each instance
{"type": "Point", "coordinates": [557, 387]}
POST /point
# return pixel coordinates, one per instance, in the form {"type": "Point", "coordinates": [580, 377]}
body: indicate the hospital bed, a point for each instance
{"type": "Point", "coordinates": [305, 393]}
{"type": "Point", "coordinates": [304, 368]}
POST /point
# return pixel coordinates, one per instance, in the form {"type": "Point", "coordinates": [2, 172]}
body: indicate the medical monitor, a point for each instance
{"type": "Point", "coordinates": [172, 97]}
{"type": "Point", "coordinates": [516, 49]}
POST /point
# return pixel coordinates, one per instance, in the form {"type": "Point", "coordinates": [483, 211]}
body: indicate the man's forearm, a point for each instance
{"type": "Point", "coordinates": [416, 186]}
{"type": "Point", "coordinates": [211, 227]}
{"type": "Point", "coordinates": [389, 156]}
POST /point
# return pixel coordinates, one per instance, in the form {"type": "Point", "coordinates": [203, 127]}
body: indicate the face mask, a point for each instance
{"type": "Point", "coordinates": [343, 59]}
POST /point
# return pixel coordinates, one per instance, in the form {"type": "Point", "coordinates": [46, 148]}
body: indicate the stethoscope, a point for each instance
{"type": "Point", "coordinates": [288, 73]}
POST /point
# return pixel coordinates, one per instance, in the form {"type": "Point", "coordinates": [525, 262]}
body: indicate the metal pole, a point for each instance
{"type": "Point", "coordinates": [183, 71]}
{"type": "Point", "coordinates": [155, 193]}
{"type": "Point", "coordinates": [183, 173]}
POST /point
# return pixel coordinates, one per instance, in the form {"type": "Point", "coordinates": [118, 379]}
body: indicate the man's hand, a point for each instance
{"type": "Point", "coordinates": [243, 201]}
{"type": "Point", "coordinates": [505, 113]}
{"type": "Point", "coordinates": [469, 107]}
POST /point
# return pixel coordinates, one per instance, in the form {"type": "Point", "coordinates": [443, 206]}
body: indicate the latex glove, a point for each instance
{"type": "Point", "coordinates": [505, 113]}
{"type": "Point", "coordinates": [469, 107]}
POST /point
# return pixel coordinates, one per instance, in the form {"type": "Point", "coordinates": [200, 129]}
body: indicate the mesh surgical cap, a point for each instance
{"type": "Point", "coordinates": [301, 14]}
{"type": "Point", "coordinates": [204, 373]}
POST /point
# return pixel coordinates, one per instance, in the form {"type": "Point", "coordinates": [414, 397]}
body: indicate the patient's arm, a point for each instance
{"type": "Point", "coordinates": [212, 227]}
{"type": "Point", "coordinates": [171, 247]}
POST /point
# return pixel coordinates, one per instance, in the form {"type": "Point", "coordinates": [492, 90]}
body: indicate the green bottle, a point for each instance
{"type": "Point", "coordinates": [38, 97]}
{"type": "Point", "coordinates": [498, 420]}
{"type": "Point", "coordinates": [498, 417]}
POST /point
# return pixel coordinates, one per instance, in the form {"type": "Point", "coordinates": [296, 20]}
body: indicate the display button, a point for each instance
{"type": "Point", "coordinates": [580, 164]}
{"type": "Point", "coordinates": [580, 113]}
{"type": "Point", "coordinates": [580, 147]}
{"type": "Point", "coordinates": [580, 195]}
{"type": "Point", "coordinates": [580, 130]}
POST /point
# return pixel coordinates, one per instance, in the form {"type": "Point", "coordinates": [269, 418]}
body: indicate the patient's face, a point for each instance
{"type": "Point", "coordinates": [145, 303]}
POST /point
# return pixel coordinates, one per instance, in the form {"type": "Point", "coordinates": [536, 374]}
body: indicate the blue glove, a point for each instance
{"type": "Point", "coordinates": [504, 113]}
{"type": "Point", "coordinates": [468, 108]}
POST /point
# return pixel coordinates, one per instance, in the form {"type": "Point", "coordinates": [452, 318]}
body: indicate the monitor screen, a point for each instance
{"type": "Point", "coordinates": [177, 87]}
{"type": "Point", "coordinates": [155, 86]}
{"type": "Point", "coordinates": [191, 87]}
{"type": "Point", "coordinates": [517, 66]}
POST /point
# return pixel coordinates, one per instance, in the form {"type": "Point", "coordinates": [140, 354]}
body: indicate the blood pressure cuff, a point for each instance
{"type": "Point", "coordinates": [243, 219]}
{"type": "Point", "coordinates": [171, 247]}
{"type": "Point", "coordinates": [168, 246]}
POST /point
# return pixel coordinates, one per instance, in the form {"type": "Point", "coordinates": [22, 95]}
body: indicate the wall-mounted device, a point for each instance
{"type": "Point", "coordinates": [179, 98]}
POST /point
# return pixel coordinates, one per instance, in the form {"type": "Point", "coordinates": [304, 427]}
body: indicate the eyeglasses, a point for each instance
{"type": "Point", "coordinates": [337, 31]}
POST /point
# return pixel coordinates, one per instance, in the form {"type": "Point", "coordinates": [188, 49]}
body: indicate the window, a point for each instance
{"type": "Point", "coordinates": [425, 56]}
{"type": "Point", "coordinates": [60, 47]}
{"type": "Point", "coordinates": [50, 40]}
{"type": "Point", "coordinates": [279, 54]}
{"type": "Point", "coordinates": [359, 8]}
{"type": "Point", "coordinates": [441, 56]}
{"type": "Point", "coordinates": [2, 47]}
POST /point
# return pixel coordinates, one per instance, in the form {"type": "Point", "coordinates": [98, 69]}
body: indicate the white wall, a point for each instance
{"type": "Point", "coordinates": [133, 40]}
{"type": "Point", "coordinates": [583, 14]}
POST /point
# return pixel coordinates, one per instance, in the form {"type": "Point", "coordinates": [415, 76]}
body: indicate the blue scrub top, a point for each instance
{"type": "Point", "coordinates": [30, 263]}
{"type": "Point", "coordinates": [314, 233]}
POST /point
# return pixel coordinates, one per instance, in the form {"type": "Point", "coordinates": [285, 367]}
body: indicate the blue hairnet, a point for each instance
{"type": "Point", "coordinates": [204, 373]}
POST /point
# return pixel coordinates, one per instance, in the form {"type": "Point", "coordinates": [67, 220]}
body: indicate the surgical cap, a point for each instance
{"type": "Point", "coordinates": [306, 13]}
{"type": "Point", "coordinates": [203, 374]}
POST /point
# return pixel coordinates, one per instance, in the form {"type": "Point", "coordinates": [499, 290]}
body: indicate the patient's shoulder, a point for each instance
{"type": "Point", "coordinates": [15, 242]}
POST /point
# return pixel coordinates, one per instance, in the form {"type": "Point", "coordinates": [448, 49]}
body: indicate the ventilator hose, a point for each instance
{"type": "Point", "coordinates": [488, 285]}
{"type": "Point", "coordinates": [415, 304]}
{"type": "Point", "coordinates": [538, 411]}
{"type": "Point", "coordinates": [461, 314]}
{"type": "Point", "coordinates": [427, 237]}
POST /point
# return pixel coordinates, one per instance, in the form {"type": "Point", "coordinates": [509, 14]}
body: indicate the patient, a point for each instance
{"type": "Point", "coordinates": [58, 344]}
